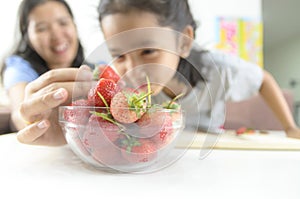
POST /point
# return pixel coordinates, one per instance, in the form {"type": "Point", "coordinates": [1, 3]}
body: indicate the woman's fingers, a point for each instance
{"type": "Point", "coordinates": [33, 132]}
{"type": "Point", "coordinates": [60, 75]}
{"type": "Point", "coordinates": [35, 107]}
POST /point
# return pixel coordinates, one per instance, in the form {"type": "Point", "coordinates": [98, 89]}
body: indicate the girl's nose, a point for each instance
{"type": "Point", "coordinates": [131, 72]}
{"type": "Point", "coordinates": [131, 61]}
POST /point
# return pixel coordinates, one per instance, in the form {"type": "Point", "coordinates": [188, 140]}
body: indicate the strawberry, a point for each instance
{"type": "Point", "coordinates": [106, 72]}
{"type": "Point", "coordinates": [151, 122]}
{"type": "Point", "coordinates": [74, 138]}
{"type": "Point", "coordinates": [101, 126]}
{"type": "Point", "coordinates": [144, 150]}
{"type": "Point", "coordinates": [128, 106]}
{"type": "Point", "coordinates": [100, 137]}
{"type": "Point", "coordinates": [165, 134]}
{"type": "Point", "coordinates": [78, 115]}
{"type": "Point", "coordinates": [105, 88]}
{"type": "Point", "coordinates": [244, 130]}
{"type": "Point", "coordinates": [109, 73]}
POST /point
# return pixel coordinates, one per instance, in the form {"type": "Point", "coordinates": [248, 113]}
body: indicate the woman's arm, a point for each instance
{"type": "Point", "coordinates": [272, 94]}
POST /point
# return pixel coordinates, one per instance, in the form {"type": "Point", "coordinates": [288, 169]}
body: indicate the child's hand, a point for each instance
{"type": "Point", "coordinates": [293, 132]}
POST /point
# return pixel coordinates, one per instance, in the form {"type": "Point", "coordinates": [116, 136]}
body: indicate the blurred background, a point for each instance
{"type": "Point", "coordinates": [261, 31]}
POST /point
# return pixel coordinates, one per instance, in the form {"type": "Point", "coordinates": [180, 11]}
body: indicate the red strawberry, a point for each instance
{"type": "Point", "coordinates": [106, 88]}
{"type": "Point", "coordinates": [106, 72]}
{"type": "Point", "coordinates": [74, 138]}
{"type": "Point", "coordinates": [100, 138]}
{"type": "Point", "coordinates": [109, 73]}
{"type": "Point", "coordinates": [78, 115]}
{"type": "Point", "coordinates": [165, 134]}
{"type": "Point", "coordinates": [151, 122]}
{"type": "Point", "coordinates": [244, 130]}
{"type": "Point", "coordinates": [128, 106]}
{"type": "Point", "coordinates": [143, 151]}
{"type": "Point", "coordinates": [101, 126]}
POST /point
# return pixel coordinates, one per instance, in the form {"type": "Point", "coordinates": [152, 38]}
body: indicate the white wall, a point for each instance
{"type": "Point", "coordinates": [8, 17]}
{"type": "Point", "coordinates": [283, 61]}
{"type": "Point", "coordinates": [88, 27]}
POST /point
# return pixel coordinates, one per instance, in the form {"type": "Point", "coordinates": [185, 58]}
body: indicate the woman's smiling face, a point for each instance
{"type": "Point", "coordinates": [52, 34]}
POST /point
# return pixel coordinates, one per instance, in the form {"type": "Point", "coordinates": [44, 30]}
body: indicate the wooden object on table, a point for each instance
{"type": "Point", "coordinates": [273, 140]}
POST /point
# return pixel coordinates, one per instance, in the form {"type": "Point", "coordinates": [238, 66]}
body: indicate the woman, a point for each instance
{"type": "Point", "coordinates": [49, 42]}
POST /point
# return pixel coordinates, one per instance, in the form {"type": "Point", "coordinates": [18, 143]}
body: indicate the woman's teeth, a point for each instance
{"type": "Point", "coordinates": [60, 48]}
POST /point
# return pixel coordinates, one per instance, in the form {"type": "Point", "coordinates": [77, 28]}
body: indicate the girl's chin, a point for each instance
{"type": "Point", "coordinates": [156, 90]}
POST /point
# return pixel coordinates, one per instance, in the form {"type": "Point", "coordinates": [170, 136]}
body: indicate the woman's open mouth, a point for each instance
{"type": "Point", "coordinates": [60, 49]}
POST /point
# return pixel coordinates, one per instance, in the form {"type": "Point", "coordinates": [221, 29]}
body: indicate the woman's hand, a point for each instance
{"type": "Point", "coordinates": [42, 99]}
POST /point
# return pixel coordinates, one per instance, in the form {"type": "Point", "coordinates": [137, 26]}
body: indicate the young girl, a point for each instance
{"type": "Point", "coordinates": [224, 77]}
{"type": "Point", "coordinates": [213, 77]}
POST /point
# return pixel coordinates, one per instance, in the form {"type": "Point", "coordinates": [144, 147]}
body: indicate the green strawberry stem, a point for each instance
{"type": "Point", "coordinates": [149, 90]}
{"type": "Point", "coordinates": [136, 101]}
{"type": "Point", "coordinates": [173, 100]}
{"type": "Point", "coordinates": [106, 117]}
{"type": "Point", "coordinates": [104, 101]}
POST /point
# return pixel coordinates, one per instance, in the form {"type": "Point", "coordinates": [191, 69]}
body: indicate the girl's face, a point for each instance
{"type": "Point", "coordinates": [52, 34]}
{"type": "Point", "coordinates": [124, 62]}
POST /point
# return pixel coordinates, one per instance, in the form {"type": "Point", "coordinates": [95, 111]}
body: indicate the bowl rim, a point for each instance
{"type": "Point", "coordinates": [159, 109]}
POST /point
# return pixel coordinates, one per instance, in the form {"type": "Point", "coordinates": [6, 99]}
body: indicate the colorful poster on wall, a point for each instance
{"type": "Point", "coordinates": [228, 35]}
{"type": "Point", "coordinates": [242, 37]}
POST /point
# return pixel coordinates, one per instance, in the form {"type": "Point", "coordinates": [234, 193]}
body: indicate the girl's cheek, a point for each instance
{"type": "Point", "coordinates": [121, 70]}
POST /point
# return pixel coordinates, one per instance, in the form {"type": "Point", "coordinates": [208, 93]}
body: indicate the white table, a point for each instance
{"type": "Point", "coordinates": [55, 172]}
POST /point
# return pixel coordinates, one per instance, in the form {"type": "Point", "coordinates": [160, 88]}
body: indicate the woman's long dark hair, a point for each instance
{"type": "Point", "coordinates": [23, 48]}
{"type": "Point", "coordinates": [172, 13]}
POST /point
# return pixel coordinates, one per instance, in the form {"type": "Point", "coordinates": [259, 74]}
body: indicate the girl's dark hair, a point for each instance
{"type": "Point", "coordinates": [23, 48]}
{"type": "Point", "coordinates": [173, 13]}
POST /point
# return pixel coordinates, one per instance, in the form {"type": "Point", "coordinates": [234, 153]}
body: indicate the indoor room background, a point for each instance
{"type": "Point", "coordinates": [276, 44]}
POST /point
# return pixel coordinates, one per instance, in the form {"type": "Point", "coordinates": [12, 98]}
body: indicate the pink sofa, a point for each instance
{"type": "Point", "coordinates": [254, 113]}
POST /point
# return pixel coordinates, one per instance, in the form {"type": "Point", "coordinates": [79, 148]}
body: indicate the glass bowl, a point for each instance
{"type": "Point", "coordinates": [108, 145]}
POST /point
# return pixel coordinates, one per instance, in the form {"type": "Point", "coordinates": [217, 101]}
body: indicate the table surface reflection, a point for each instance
{"type": "Point", "coordinates": [55, 172]}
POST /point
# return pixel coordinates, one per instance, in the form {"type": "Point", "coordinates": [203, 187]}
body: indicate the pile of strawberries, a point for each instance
{"type": "Point", "coordinates": [120, 126]}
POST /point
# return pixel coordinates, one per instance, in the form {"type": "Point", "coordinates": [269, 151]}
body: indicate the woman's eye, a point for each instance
{"type": "Point", "coordinates": [41, 28]}
{"type": "Point", "coordinates": [64, 22]}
